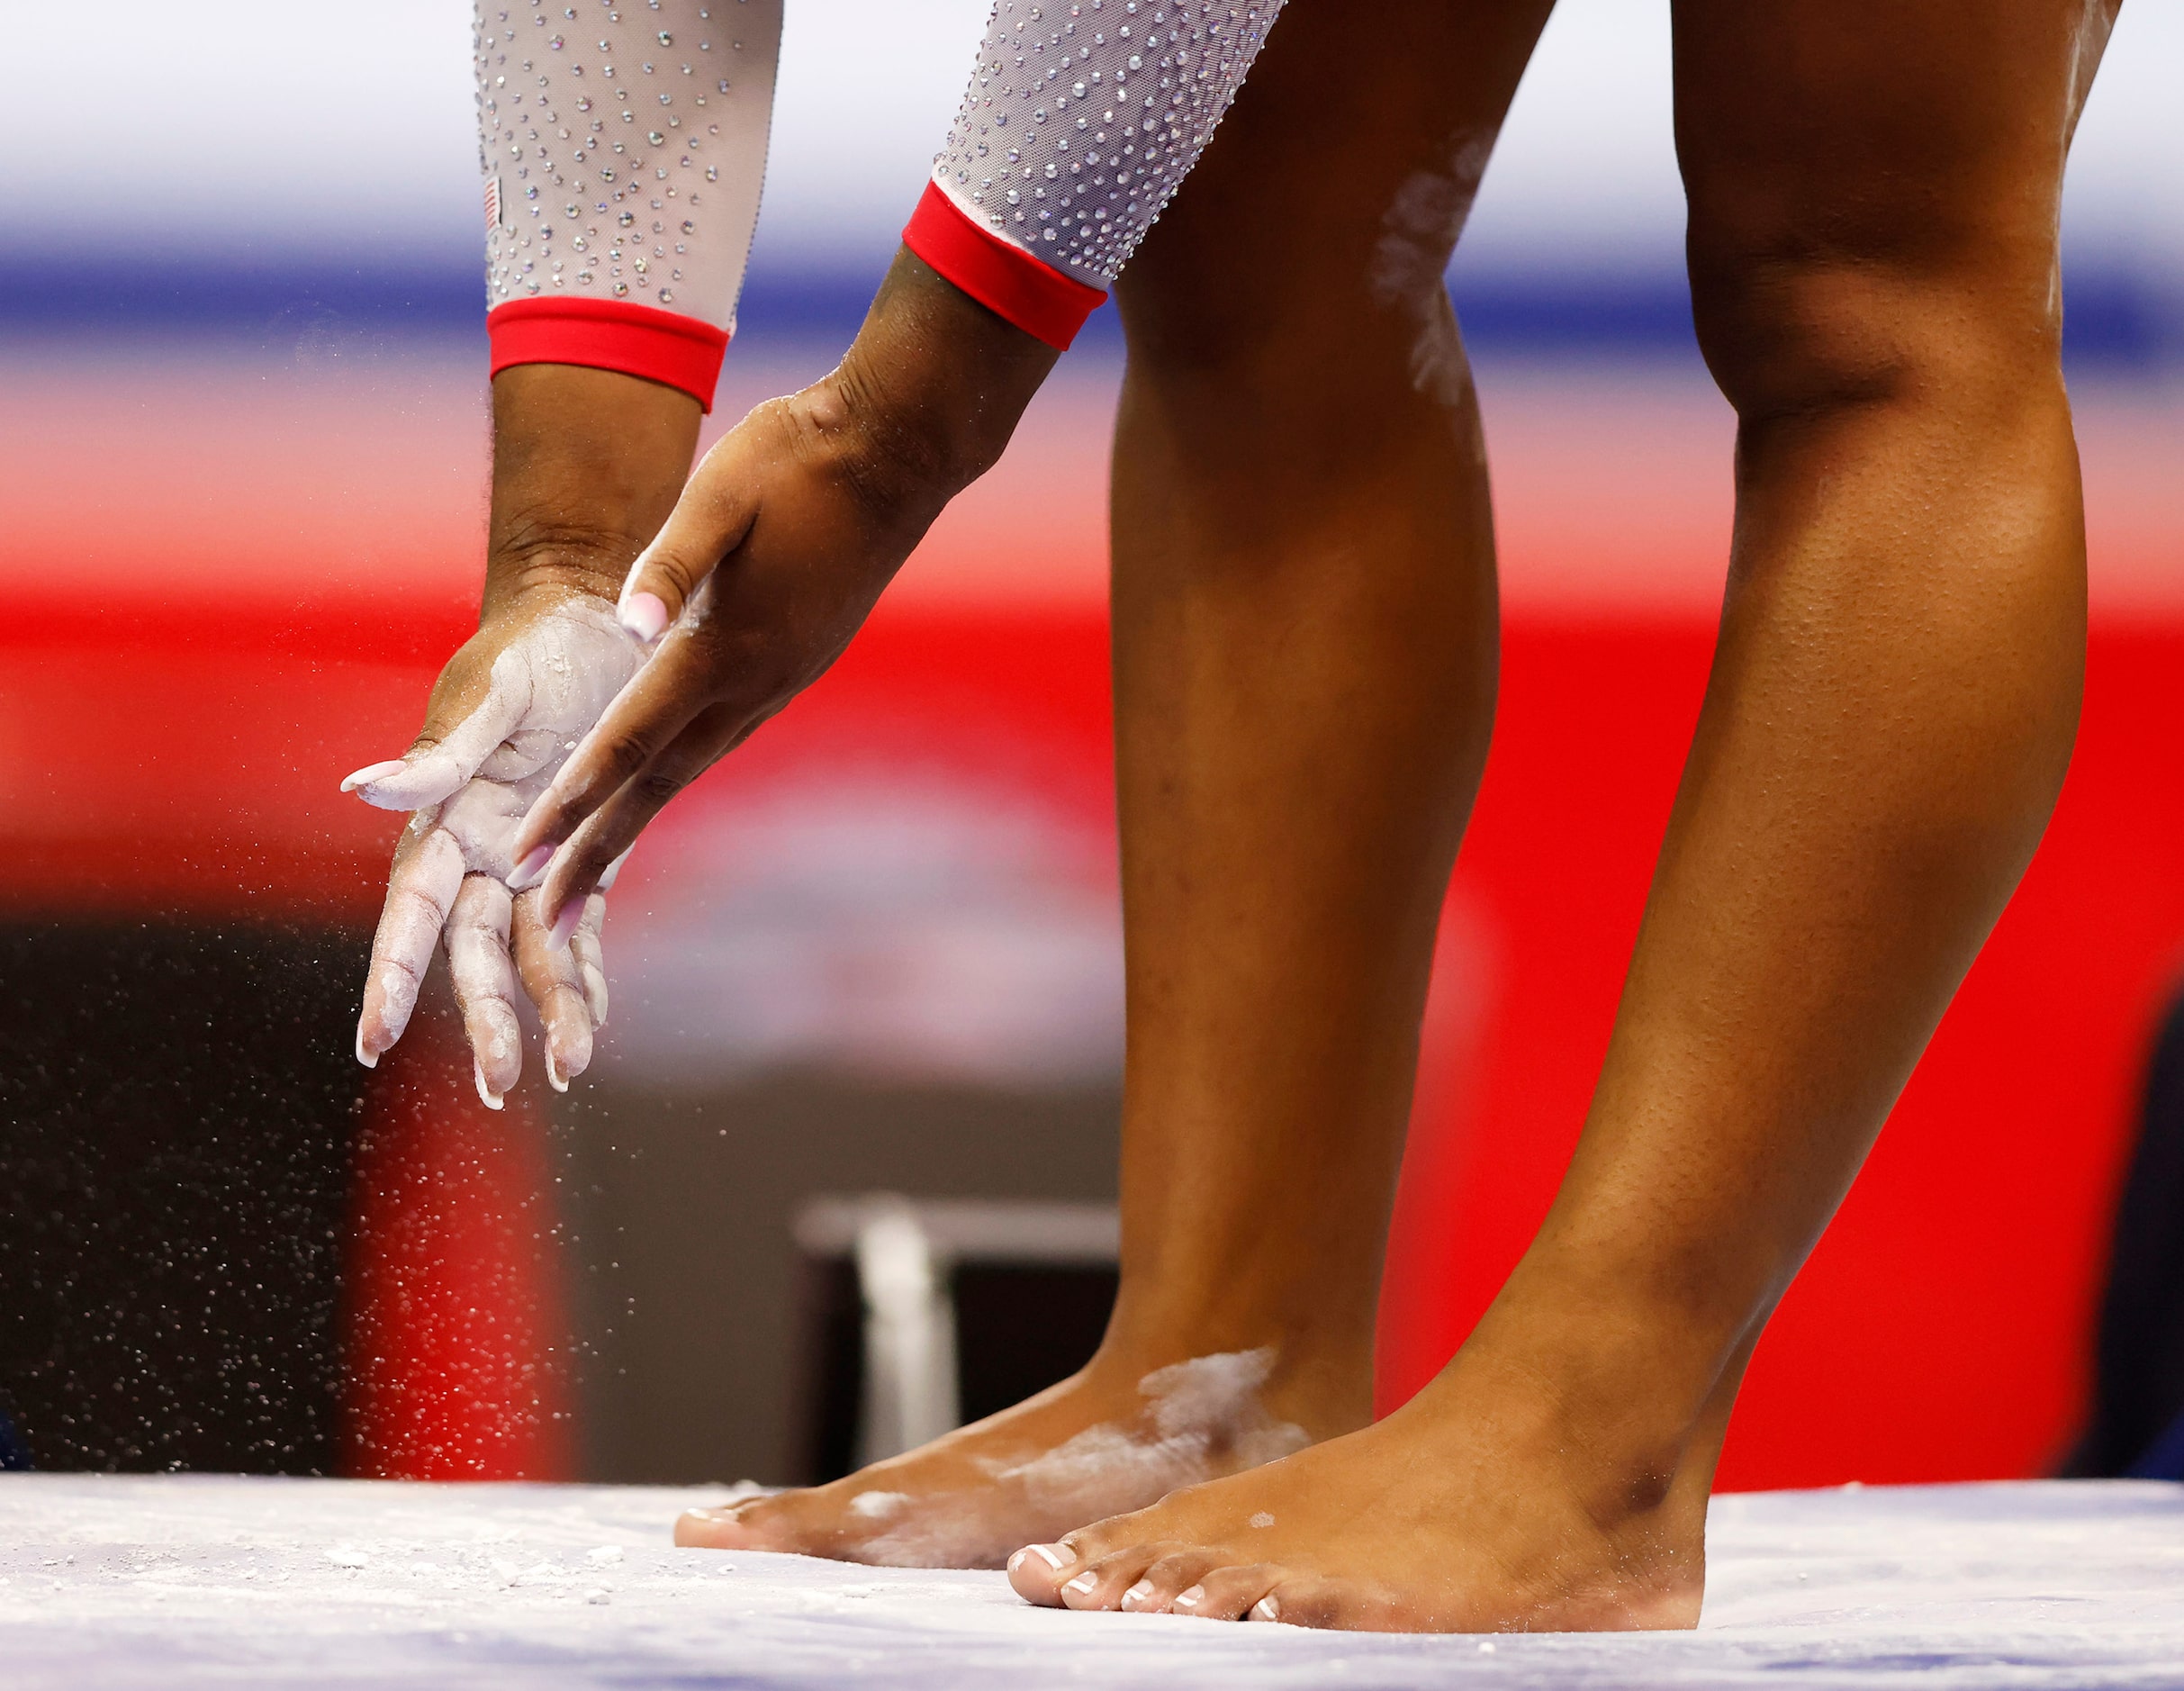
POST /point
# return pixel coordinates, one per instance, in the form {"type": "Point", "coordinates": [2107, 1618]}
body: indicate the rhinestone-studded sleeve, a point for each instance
{"type": "Point", "coordinates": [1081, 120]}
{"type": "Point", "coordinates": [624, 147]}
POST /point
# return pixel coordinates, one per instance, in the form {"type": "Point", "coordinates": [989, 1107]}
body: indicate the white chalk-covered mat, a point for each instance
{"type": "Point", "coordinates": [202, 1580]}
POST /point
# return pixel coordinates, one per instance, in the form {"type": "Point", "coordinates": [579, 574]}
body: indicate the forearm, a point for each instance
{"type": "Point", "coordinates": [622, 165]}
{"type": "Point", "coordinates": [587, 463]}
{"type": "Point", "coordinates": [622, 160]}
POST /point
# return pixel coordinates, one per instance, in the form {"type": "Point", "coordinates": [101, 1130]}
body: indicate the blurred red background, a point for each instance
{"type": "Point", "coordinates": [212, 619]}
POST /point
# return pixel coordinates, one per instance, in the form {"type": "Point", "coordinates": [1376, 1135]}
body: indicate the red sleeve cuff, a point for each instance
{"type": "Point", "coordinates": [997, 274]}
{"type": "Point", "coordinates": [664, 346]}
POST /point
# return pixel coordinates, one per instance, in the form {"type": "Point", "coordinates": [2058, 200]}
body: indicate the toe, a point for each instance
{"type": "Point", "coordinates": [1099, 1583]}
{"type": "Point", "coordinates": [1309, 1601]}
{"type": "Point", "coordinates": [1169, 1576]}
{"type": "Point", "coordinates": [1228, 1594]}
{"type": "Point", "coordinates": [1037, 1570]}
{"type": "Point", "coordinates": [1044, 1573]}
{"type": "Point", "coordinates": [717, 1529]}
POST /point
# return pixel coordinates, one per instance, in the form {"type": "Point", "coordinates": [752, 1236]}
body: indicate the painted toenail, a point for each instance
{"type": "Point", "coordinates": [1084, 1582]}
{"type": "Point", "coordinates": [1139, 1592]}
{"type": "Point", "coordinates": [1192, 1598]}
{"type": "Point", "coordinates": [1016, 1561]}
{"type": "Point", "coordinates": [1267, 1608]}
{"type": "Point", "coordinates": [1057, 1555]}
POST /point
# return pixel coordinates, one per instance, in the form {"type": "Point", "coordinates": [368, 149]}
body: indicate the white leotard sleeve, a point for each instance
{"type": "Point", "coordinates": [1081, 120]}
{"type": "Point", "coordinates": [624, 146]}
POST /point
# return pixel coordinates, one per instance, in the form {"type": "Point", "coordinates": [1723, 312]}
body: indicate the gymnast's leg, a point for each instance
{"type": "Point", "coordinates": [1873, 187]}
{"type": "Point", "coordinates": [1305, 633]}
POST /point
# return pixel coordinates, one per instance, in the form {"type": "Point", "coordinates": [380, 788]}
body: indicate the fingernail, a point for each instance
{"type": "Point", "coordinates": [532, 865]}
{"type": "Point", "coordinates": [1190, 1599]}
{"type": "Point", "coordinates": [1057, 1555]}
{"type": "Point", "coordinates": [370, 773]}
{"type": "Point", "coordinates": [565, 924]}
{"type": "Point", "coordinates": [1267, 1608]}
{"type": "Point", "coordinates": [554, 1077]}
{"type": "Point", "coordinates": [492, 1098]}
{"type": "Point", "coordinates": [614, 869]}
{"type": "Point", "coordinates": [645, 615]}
{"type": "Point", "coordinates": [1139, 1592]}
{"type": "Point", "coordinates": [370, 1059]}
{"type": "Point", "coordinates": [1084, 1582]}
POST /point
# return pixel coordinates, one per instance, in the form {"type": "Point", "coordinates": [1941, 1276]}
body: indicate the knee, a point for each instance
{"type": "Point", "coordinates": [1352, 307]}
{"type": "Point", "coordinates": [1802, 310]}
{"type": "Point", "coordinates": [1332, 356]}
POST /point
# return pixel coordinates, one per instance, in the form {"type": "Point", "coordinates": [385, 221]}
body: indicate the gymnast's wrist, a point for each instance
{"type": "Point", "coordinates": [935, 382]}
{"type": "Point", "coordinates": [587, 465]}
{"type": "Point", "coordinates": [556, 562]}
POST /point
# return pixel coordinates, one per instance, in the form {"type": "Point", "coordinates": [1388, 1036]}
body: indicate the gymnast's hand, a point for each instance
{"type": "Point", "coordinates": [585, 463]}
{"type": "Point", "coordinates": [505, 714]}
{"type": "Point", "coordinates": [773, 556]}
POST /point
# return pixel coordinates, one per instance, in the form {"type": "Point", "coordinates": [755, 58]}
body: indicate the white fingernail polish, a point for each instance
{"type": "Point", "coordinates": [645, 615]}
{"type": "Point", "coordinates": [613, 871]}
{"type": "Point", "coordinates": [1084, 1582]}
{"type": "Point", "coordinates": [492, 1099]}
{"type": "Point", "coordinates": [554, 1077]}
{"type": "Point", "coordinates": [370, 773]}
{"type": "Point", "coordinates": [525, 875]}
{"type": "Point", "coordinates": [1054, 1558]}
{"type": "Point", "coordinates": [370, 1059]}
{"type": "Point", "coordinates": [1267, 1608]}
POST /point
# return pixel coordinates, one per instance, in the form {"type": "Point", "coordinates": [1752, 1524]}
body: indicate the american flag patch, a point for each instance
{"type": "Point", "coordinates": [493, 202]}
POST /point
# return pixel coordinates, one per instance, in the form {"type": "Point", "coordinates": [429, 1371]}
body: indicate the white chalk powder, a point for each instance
{"type": "Point", "coordinates": [1206, 1419]}
{"type": "Point", "coordinates": [1200, 1419]}
{"type": "Point", "coordinates": [217, 1581]}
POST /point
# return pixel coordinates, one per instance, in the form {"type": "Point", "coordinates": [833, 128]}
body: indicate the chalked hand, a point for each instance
{"type": "Point", "coordinates": [774, 554]}
{"type": "Point", "coordinates": [507, 711]}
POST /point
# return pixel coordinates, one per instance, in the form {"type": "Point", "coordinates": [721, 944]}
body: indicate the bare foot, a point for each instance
{"type": "Point", "coordinates": [1464, 1511]}
{"type": "Point", "coordinates": [1112, 1438]}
